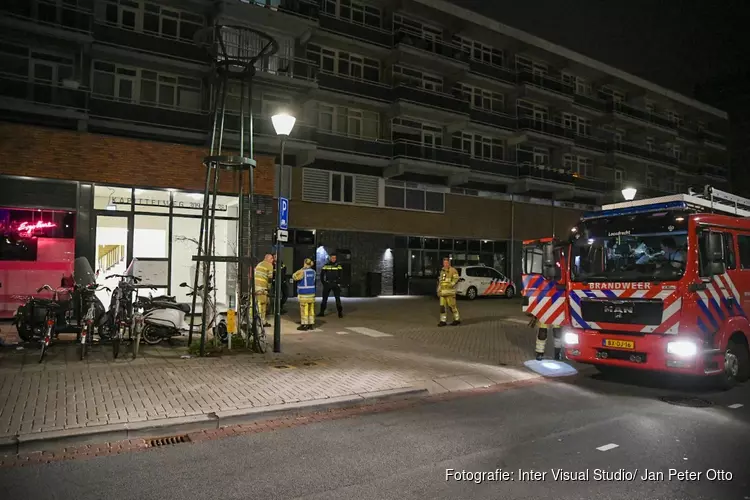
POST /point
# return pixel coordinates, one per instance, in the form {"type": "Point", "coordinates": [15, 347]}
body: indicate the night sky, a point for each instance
{"type": "Point", "coordinates": [675, 43]}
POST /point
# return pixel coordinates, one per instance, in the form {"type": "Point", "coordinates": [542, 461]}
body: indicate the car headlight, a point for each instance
{"type": "Point", "coordinates": [570, 338]}
{"type": "Point", "coordinates": [682, 348]}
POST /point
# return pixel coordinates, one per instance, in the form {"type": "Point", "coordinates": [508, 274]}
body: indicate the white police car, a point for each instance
{"type": "Point", "coordinates": [483, 281]}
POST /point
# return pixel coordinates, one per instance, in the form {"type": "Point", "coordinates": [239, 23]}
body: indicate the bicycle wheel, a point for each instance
{"type": "Point", "coordinates": [136, 342]}
{"type": "Point", "coordinates": [259, 335]}
{"type": "Point", "coordinates": [45, 342]}
{"type": "Point", "coordinates": [116, 342]}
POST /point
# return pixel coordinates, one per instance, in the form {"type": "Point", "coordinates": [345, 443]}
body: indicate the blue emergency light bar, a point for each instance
{"type": "Point", "coordinates": [656, 207]}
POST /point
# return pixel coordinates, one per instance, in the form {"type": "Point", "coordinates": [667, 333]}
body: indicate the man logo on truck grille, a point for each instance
{"type": "Point", "coordinates": [618, 311]}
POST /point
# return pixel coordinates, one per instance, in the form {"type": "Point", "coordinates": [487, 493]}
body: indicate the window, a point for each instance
{"type": "Point", "coordinates": [348, 121]}
{"type": "Point", "coordinates": [541, 157]}
{"type": "Point", "coordinates": [344, 63]}
{"type": "Point", "coordinates": [650, 180]}
{"type": "Point", "coordinates": [530, 66]}
{"type": "Point", "coordinates": [480, 52]}
{"type": "Point", "coordinates": [580, 125]}
{"type": "Point", "coordinates": [581, 86]}
{"type": "Point", "coordinates": [729, 254]}
{"type": "Point", "coordinates": [397, 195]}
{"type": "Point", "coordinates": [579, 165]}
{"type": "Point", "coordinates": [612, 94]}
{"type": "Point", "coordinates": [729, 251]}
{"type": "Point", "coordinates": [342, 188]}
{"type": "Point", "coordinates": [141, 86]}
{"type": "Point", "coordinates": [650, 141]}
{"type": "Point", "coordinates": [527, 109]}
{"type": "Point", "coordinates": [619, 176]}
{"type": "Point", "coordinates": [743, 241]}
{"type": "Point", "coordinates": [479, 146]}
{"type": "Point", "coordinates": [151, 18]}
{"type": "Point", "coordinates": [416, 78]}
{"type": "Point", "coordinates": [402, 23]}
{"type": "Point", "coordinates": [480, 98]}
{"type": "Point", "coordinates": [674, 117]}
{"type": "Point", "coordinates": [676, 151]}
{"type": "Point", "coordinates": [354, 12]}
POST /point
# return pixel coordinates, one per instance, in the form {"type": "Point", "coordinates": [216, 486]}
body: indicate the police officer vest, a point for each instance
{"type": "Point", "coordinates": [306, 285]}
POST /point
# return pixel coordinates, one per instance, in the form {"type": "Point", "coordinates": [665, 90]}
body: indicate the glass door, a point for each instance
{"type": "Point", "coordinates": [114, 243]}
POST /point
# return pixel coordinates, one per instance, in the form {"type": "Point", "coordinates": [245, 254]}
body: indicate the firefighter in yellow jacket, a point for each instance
{"type": "Point", "coordinates": [263, 274]}
{"type": "Point", "coordinates": [447, 292]}
{"type": "Point", "coordinates": [305, 279]}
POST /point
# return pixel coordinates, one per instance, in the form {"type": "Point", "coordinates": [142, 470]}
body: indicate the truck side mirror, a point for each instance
{"type": "Point", "coordinates": [715, 257]}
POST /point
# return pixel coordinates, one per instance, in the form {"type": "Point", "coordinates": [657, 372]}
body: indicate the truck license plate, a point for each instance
{"type": "Point", "coordinates": [619, 344]}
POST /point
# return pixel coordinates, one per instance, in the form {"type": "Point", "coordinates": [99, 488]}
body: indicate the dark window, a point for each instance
{"type": "Point", "coordinates": [304, 237]}
{"type": "Point", "coordinates": [336, 187]}
{"type": "Point", "coordinates": [474, 246]}
{"type": "Point", "coordinates": [743, 242]}
{"type": "Point", "coordinates": [414, 199]}
{"type": "Point", "coordinates": [431, 243]}
{"type": "Point", "coordinates": [394, 197]}
{"type": "Point", "coordinates": [486, 246]}
{"type": "Point", "coordinates": [474, 272]}
{"type": "Point", "coordinates": [415, 242]}
{"type": "Point", "coordinates": [501, 246]}
{"type": "Point", "coordinates": [348, 189]}
{"type": "Point", "coordinates": [401, 242]}
{"type": "Point", "coordinates": [446, 244]}
{"type": "Point", "coordinates": [460, 245]}
{"type": "Point", "coordinates": [434, 202]}
{"type": "Point", "coordinates": [729, 251]}
{"type": "Point", "coordinates": [151, 22]}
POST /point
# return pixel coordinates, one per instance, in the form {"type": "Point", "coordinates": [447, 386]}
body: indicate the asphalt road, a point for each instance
{"type": "Point", "coordinates": [405, 454]}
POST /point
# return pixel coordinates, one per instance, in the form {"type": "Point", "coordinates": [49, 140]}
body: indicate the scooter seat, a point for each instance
{"type": "Point", "coordinates": [164, 298]}
{"type": "Point", "coordinates": [171, 305]}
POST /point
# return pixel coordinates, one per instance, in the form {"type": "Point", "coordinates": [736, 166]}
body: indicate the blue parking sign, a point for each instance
{"type": "Point", "coordinates": [283, 213]}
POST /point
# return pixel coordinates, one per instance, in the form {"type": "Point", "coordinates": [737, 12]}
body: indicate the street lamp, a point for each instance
{"type": "Point", "coordinates": [283, 123]}
{"type": "Point", "coordinates": [629, 193]}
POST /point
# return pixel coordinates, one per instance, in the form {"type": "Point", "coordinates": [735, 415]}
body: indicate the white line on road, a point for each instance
{"type": "Point", "coordinates": [368, 331]}
{"type": "Point", "coordinates": [736, 405]}
{"type": "Point", "coordinates": [608, 447]}
{"type": "Point", "coordinates": [516, 320]}
{"type": "Point", "coordinates": [343, 333]}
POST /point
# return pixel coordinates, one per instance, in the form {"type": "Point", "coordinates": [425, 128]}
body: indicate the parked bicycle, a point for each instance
{"type": "Point", "coordinates": [94, 310]}
{"type": "Point", "coordinates": [215, 324]}
{"type": "Point", "coordinates": [52, 308]}
{"type": "Point", "coordinates": [120, 310]}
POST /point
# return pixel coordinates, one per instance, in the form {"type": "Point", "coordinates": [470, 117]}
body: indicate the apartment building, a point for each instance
{"type": "Point", "coordinates": [423, 130]}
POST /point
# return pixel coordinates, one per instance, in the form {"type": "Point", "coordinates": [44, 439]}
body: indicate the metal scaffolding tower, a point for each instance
{"type": "Point", "coordinates": [234, 51]}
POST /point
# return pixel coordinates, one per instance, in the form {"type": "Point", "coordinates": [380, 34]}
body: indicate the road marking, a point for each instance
{"type": "Point", "coordinates": [343, 333]}
{"type": "Point", "coordinates": [516, 320]}
{"type": "Point", "coordinates": [368, 331]}
{"type": "Point", "coordinates": [608, 447]}
{"type": "Point", "coordinates": [736, 405]}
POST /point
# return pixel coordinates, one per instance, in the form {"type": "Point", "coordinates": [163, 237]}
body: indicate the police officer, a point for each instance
{"type": "Point", "coordinates": [305, 279]}
{"type": "Point", "coordinates": [330, 276]}
{"type": "Point", "coordinates": [447, 282]}
{"type": "Point", "coordinates": [263, 274]}
{"type": "Point", "coordinates": [541, 339]}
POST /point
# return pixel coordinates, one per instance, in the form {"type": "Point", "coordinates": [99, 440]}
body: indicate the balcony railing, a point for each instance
{"type": "Point", "coordinates": [434, 99]}
{"type": "Point", "coordinates": [590, 102]}
{"type": "Point", "coordinates": [547, 83]}
{"type": "Point", "coordinates": [294, 69]}
{"type": "Point", "coordinates": [50, 13]}
{"type": "Point", "coordinates": [184, 119]}
{"type": "Point", "coordinates": [357, 31]}
{"type": "Point", "coordinates": [544, 127]}
{"type": "Point", "coordinates": [307, 9]}
{"type": "Point", "coordinates": [494, 119]}
{"type": "Point", "coordinates": [640, 114]}
{"type": "Point", "coordinates": [148, 42]}
{"type": "Point", "coordinates": [437, 47]}
{"type": "Point", "coordinates": [496, 167]}
{"type": "Point", "coordinates": [418, 151]}
{"type": "Point", "coordinates": [491, 71]}
{"type": "Point", "coordinates": [262, 126]}
{"type": "Point", "coordinates": [714, 137]}
{"type": "Point", "coordinates": [587, 141]}
{"type": "Point", "coordinates": [642, 152]}
{"type": "Point", "coordinates": [560, 175]}
{"type": "Point", "coordinates": [358, 145]}
{"type": "Point", "coordinates": [351, 86]}
{"type": "Point", "coordinates": [44, 93]}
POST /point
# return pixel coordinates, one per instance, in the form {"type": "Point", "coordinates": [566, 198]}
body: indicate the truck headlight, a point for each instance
{"type": "Point", "coordinates": [682, 348]}
{"type": "Point", "coordinates": [570, 338]}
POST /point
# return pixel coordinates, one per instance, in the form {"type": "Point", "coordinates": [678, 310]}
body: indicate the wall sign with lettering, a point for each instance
{"type": "Point", "coordinates": [145, 202]}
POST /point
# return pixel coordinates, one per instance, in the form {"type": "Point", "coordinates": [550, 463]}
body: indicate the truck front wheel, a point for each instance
{"type": "Point", "coordinates": [736, 364]}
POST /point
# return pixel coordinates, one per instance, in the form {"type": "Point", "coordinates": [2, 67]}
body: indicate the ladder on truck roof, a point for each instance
{"type": "Point", "coordinates": [711, 200]}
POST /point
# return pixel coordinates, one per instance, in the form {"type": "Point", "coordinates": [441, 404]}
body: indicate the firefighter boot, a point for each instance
{"type": "Point", "coordinates": [557, 334]}
{"type": "Point", "coordinates": [541, 342]}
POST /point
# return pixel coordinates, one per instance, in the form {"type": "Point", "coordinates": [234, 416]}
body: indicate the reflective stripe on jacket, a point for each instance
{"type": "Point", "coordinates": [263, 273]}
{"type": "Point", "coordinates": [331, 274]}
{"type": "Point", "coordinates": [306, 281]}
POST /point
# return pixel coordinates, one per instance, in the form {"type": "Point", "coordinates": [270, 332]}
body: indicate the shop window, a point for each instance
{"type": "Point", "coordinates": [474, 246]}
{"type": "Point", "coordinates": [21, 232]}
{"type": "Point", "coordinates": [192, 204]}
{"type": "Point", "coordinates": [415, 242]}
{"type": "Point", "coordinates": [401, 242]}
{"type": "Point", "coordinates": [151, 237]}
{"type": "Point", "coordinates": [446, 244]}
{"type": "Point", "coordinates": [115, 199]}
{"type": "Point", "coordinates": [430, 243]}
{"type": "Point", "coordinates": [487, 246]}
{"type": "Point", "coordinates": [460, 245]}
{"type": "Point", "coordinates": [151, 200]}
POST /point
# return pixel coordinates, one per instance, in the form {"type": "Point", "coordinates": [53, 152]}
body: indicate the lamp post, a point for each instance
{"type": "Point", "coordinates": [629, 193]}
{"type": "Point", "coordinates": [283, 123]}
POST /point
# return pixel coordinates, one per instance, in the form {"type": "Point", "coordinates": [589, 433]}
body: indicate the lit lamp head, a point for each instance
{"type": "Point", "coordinates": [283, 123]}
{"type": "Point", "coordinates": [629, 193]}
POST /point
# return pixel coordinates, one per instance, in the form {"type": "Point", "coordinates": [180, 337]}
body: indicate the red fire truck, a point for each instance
{"type": "Point", "coordinates": [661, 284]}
{"type": "Point", "coordinates": [544, 297]}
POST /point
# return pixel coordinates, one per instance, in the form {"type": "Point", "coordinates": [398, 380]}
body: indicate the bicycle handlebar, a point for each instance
{"type": "Point", "coordinates": [134, 278]}
{"type": "Point", "coordinates": [45, 287]}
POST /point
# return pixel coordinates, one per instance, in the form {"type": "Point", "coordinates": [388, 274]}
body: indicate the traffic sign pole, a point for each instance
{"type": "Point", "coordinates": [282, 225]}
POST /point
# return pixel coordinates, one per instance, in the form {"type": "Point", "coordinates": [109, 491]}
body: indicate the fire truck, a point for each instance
{"type": "Point", "coordinates": [544, 297]}
{"type": "Point", "coordinates": [659, 284]}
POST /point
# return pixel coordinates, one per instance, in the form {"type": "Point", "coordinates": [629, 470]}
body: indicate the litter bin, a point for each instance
{"type": "Point", "coordinates": [373, 284]}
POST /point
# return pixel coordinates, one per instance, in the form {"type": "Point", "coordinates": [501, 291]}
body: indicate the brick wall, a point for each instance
{"type": "Point", "coordinates": [465, 216]}
{"type": "Point", "coordinates": [82, 156]}
{"type": "Point", "coordinates": [368, 255]}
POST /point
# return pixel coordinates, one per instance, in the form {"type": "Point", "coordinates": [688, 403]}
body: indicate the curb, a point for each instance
{"type": "Point", "coordinates": [54, 440]}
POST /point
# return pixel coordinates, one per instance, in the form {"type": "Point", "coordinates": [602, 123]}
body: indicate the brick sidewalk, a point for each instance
{"type": "Point", "coordinates": [66, 393]}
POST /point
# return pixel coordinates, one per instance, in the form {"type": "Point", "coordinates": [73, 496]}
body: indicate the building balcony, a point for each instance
{"type": "Point", "coordinates": [547, 84]}
{"type": "Point", "coordinates": [590, 142]}
{"type": "Point", "coordinates": [546, 130]}
{"type": "Point", "coordinates": [590, 103]}
{"type": "Point", "coordinates": [403, 149]}
{"type": "Point", "coordinates": [293, 17]}
{"type": "Point", "coordinates": [435, 106]}
{"type": "Point", "coordinates": [711, 138]}
{"type": "Point", "coordinates": [285, 71]}
{"type": "Point", "coordinates": [688, 134]}
{"type": "Point", "coordinates": [148, 114]}
{"type": "Point", "coordinates": [354, 145]}
{"type": "Point", "coordinates": [631, 113]}
{"type": "Point", "coordinates": [492, 72]}
{"type": "Point", "coordinates": [350, 86]}
{"type": "Point", "coordinates": [435, 50]}
{"type": "Point", "coordinates": [361, 32]}
{"type": "Point", "coordinates": [642, 152]}
{"type": "Point", "coordinates": [494, 167]}
{"type": "Point", "coordinates": [497, 120]}
{"type": "Point", "coordinates": [714, 171]}
{"type": "Point", "coordinates": [42, 102]}
{"type": "Point", "coordinates": [559, 179]}
{"type": "Point", "coordinates": [148, 43]}
{"type": "Point", "coordinates": [48, 15]}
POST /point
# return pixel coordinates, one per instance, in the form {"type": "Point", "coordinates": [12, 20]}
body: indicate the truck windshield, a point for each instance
{"type": "Point", "coordinates": [639, 247]}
